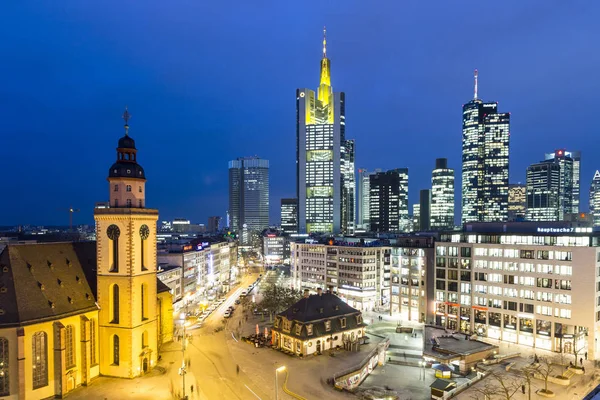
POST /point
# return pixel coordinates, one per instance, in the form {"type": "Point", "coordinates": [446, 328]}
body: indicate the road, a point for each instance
{"type": "Point", "coordinates": [212, 371]}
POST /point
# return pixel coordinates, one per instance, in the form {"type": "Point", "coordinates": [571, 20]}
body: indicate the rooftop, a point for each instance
{"type": "Point", "coordinates": [445, 345]}
{"type": "Point", "coordinates": [318, 306]}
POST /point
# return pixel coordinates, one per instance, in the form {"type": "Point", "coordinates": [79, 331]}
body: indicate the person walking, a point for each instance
{"type": "Point", "coordinates": [192, 389]}
{"type": "Point", "coordinates": [586, 355]}
{"type": "Point", "coordinates": [237, 369]}
{"type": "Point", "coordinates": [581, 361]}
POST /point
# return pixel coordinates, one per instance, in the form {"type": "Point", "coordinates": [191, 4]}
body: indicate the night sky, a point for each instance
{"type": "Point", "coordinates": [209, 81]}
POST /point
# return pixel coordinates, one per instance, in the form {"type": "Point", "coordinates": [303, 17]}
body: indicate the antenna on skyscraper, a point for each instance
{"type": "Point", "coordinates": [324, 42]}
{"type": "Point", "coordinates": [476, 73]}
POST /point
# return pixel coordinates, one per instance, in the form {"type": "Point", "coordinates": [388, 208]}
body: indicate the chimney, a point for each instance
{"type": "Point", "coordinates": [319, 291]}
{"type": "Point", "coordinates": [306, 293]}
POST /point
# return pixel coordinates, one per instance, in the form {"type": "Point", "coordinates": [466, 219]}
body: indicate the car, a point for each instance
{"type": "Point", "coordinates": [244, 293]}
{"type": "Point", "coordinates": [227, 314]}
{"type": "Point", "coordinates": [237, 301]}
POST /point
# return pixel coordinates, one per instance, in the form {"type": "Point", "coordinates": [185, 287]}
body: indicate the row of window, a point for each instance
{"type": "Point", "coordinates": [127, 188]}
{"type": "Point", "coordinates": [39, 352]}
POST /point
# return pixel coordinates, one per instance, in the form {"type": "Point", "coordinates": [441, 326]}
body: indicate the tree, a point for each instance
{"type": "Point", "coordinates": [577, 349]}
{"type": "Point", "coordinates": [545, 369]}
{"type": "Point", "coordinates": [278, 298]}
{"type": "Point", "coordinates": [498, 386]}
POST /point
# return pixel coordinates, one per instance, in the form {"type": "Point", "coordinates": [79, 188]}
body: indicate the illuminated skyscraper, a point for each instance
{"type": "Point", "coordinates": [595, 198]}
{"type": "Point", "coordinates": [248, 196]}
{"type": "Point", "coordinates": [388, 205]}
{"type": "Point", "coordinates": [570, 188]}
{"type": "Point", "coordinates": [289, 215]}
{"type": "Point", "coordinates": [517, 202]}
{"type": "Point", "coordinates": [485, 144]}
{"type": "Point", "coordinates": [543, 187]}
{"type": "Point", "coordinates": [363, 198]}
{"type": "Point", "coordinates": [324, 159]}
{"type": "Point", "coordinates": [442, 195]}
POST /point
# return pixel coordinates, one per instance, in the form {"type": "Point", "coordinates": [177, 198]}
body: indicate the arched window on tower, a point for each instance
{"type": "Point", "coordinates": [4, 376]}
{"type": "Point", "coordinates": [70, 346]}
{"type": "Point", "coordinates": [115, 304]}
{"type": "Point", "coordinates": [39, 364]}
{"type": "Point", "coordinates": [115, 350]}
{"type": "Point", "coordinates": [113, 232]}
{"type": "Point", "coordinates": [144, 302]}
{"type": "Point", "coordinates": [144, 235]}
{"type": "Point", "coordinates": [128, 188]}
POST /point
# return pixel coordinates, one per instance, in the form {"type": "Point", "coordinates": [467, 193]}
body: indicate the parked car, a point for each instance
{"type": "Point", "coordinates": [237, 301]}
{"type": "Point", "coordinates": [244, 293]}
{"type": "Point", "coordinates": [227, 314]}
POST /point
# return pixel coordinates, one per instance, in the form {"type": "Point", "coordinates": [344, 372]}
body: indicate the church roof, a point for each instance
{"type": "Point", "coordinates": [318, 306]}
{"type": "Point", "coordinates": [46, 281]}
{"type": "Point", "coordinates": [161, 287]}
{"type": "Point", "coordinates": [40, 282]}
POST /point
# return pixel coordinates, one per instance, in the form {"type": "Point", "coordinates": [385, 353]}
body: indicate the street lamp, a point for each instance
{"type": "Point", "coordinates": [280, 369]}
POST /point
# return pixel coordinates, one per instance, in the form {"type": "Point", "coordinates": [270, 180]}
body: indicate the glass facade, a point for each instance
{"type": "Point", "coordinates": [289, 215]}
{"type": "Point", "coordinates": [570, 162]}
{"type": "Point", "coordinates": [324, 160]}
{"type": "Point", "coordinates": [388, 203]}
{"type": "Point", "coordinates": [248, 196]}
{"type": "Point", "coordinates": [442, 196]}
{"type": "Point", "coordinates": [485, 154]}
{"type": "Point", "coordinates": [543, 188]}
{"type": "Point", "coordinates": [595, 198]}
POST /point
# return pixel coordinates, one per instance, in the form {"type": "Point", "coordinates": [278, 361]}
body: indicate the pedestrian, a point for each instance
{"type": "Point", "coordinates": [583, 369]}
{"type": "Point", "coordinates": [192, 389]}
{"type": "Point", "coordinates": [523, 388]}
{"type": "Point", "coordinates": [237, 369]}
{"type": "Point", "coordinates": [586, 355]}
{"type": "Point", "coordinates": [240, 323]}
{"type": "Point", "coordinates": [581, 361]}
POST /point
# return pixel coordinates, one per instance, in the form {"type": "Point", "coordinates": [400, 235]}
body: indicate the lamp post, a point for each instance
{"type": "Point", "coordinates": [183, 369]}
{"type": "Point", "coordinates": [282, 368]}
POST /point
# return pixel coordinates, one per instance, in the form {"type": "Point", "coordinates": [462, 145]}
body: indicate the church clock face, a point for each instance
{"type": "Point", "coordinates": [144, 232]}
{"type": "Point", "coordinates": [113, 232]}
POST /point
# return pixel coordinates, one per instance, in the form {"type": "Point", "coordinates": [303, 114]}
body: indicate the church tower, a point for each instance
{"type": "Point", "coordinates": [126, 269]}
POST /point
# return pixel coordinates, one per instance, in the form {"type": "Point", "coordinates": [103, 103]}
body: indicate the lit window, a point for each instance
{"type": "Point", "coordinates": [70, 346]}
{"type": "Point", "coordinates": [39, 365]}
{"type": "Point", "coordinates": [129, 188]}
{"type": "Point", "coordinates": [4, 377]}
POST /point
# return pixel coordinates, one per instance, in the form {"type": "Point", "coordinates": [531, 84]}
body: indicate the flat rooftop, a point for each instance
{"type": "Point", "coordinates": [450, 345]}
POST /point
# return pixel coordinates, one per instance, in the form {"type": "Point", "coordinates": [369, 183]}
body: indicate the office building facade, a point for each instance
{"type": "Point", "coordinates": [485, 155]}
{"type": "Point", "coordinates": [543, 189]}
{"type": "Point", "coordinates": [248, 197]}
{"type": "Point", "coordinates": [363, 199]}
{"type": "Point", "coordinates": [533, 284]}
{"type": "Point", "coordinates": [517, 202]}
{"type": "Point", "coordinates": [388, 203]}
{"type": "Point", "coordinates": [442, 195]}
{"type": "Point", "coordinates": [289, 216]}
{"type": "Point", "coordinates": [425, 209]}
{"type": "Point", "coordinates": [570, 178]}
{"type": "Point", "coordinates": [412, 280]}
{"type": "Point", "coordinates": [358, 273]}
{"type": "Point", "coordinates": [324, 159]}
{"type": "Point", "coordinates": [595, 198]}
{"type": "Point", "coordinates": [214, 224]}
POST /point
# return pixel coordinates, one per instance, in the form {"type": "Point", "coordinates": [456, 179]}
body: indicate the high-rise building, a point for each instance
{"type": "Point", "coordinates": [388, 202]}
{"type": "Point", "coordinates": [248, 197]}
{"type": "Point", "coordinates": [574, 193]}
{"type": "Point", "coordinates": [425, 209]}
{"type": "Point", "coordinates": [416, 217]}
{"type": "Point", "coordinates": [595, 198]}
{"type": "Point", "coordinates": [362, 200]}
{"type": "Point", "coordinates": [543, 186]}
{"type": "Point", "coordinates": [442, 195]}
{"type": "Point", "coordinates": [324, 158]}
{"type": "Point", "coordinates": [289, 215]}
{"type": "Point", "coordinates": [517, 202]}
{"type": "Point", "coordinates": [485, 151]}
{"type": "Point", "coordinates": [214, 224]}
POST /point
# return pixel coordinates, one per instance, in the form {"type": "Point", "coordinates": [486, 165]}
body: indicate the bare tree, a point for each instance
{"type": "Point", "coordinates": [545, 369]}
{"type": "Point", "coordinates": [577, 349]}
{"type": "Point", "coordinates": [498, 386]}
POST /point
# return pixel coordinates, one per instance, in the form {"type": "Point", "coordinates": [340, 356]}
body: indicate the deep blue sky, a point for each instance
{"type": "Point", "coordinates": [209, 81]}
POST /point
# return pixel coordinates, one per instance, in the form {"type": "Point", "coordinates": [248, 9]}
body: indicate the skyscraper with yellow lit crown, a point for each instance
{"type": "Point", "coordinates": [325, 159]}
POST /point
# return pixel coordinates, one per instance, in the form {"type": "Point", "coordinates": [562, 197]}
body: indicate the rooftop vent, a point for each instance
{"type": "Point", "coordinates": [87, 296]}
{"type": "Point", "coordinates": [3, 289]}
{"type": "Point", "coordinates": [70, 300]}
{"type": "Point", "coordinates": [321, 310]}
{"type": "Point", "coordinates": [59, 283]}
{"type": "Point", "coordinates": [50, 264]}
{"type": "Point", "coordinates": [77, 279]}
{"type": "Point", "coordinates": [1, 311]}
{"type": "Point", "coordinates": [51, 304]}
{"type": "Point", "coordinates": [29, 266]}
{"type": "Point", "coordinates": [41, 286]}
{"type": "Point", "coordinates": [68, 262]}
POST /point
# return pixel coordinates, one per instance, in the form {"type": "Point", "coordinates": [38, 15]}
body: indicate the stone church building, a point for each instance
{"type": "Point", "coordinates": [70, 312]}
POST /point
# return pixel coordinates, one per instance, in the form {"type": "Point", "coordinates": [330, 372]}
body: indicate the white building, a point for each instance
{"type": "Point", "coordinates": [442, 196]}
{"type": "Point", "coordinates": [358, 272]}
{"type": "Point", "coordinates": [535, 284]}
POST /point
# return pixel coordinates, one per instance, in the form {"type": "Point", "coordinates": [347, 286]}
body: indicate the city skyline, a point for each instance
{"type": "Point", "coordinates": [92, 63]}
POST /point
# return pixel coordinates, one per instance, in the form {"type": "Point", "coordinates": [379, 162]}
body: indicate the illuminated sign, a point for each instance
{"type": "Point", "coordinates": [187, 248]}
{"type": "Point", "coordinates": [555, 230]}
